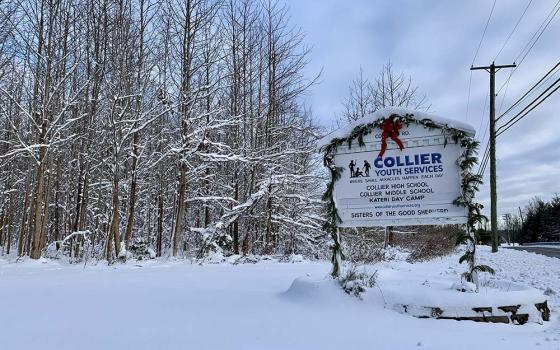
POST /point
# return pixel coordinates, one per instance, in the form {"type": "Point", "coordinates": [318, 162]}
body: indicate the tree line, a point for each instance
{"type": "Point", "coordinates": [175, 123]}
{"type": "Point", "coordinates": [538, 221]}
{"type": "Point", "coordinates": [541, 221]}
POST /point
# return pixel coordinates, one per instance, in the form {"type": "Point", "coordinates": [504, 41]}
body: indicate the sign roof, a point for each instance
{"type": "Point", "coordinates": [385, 112]}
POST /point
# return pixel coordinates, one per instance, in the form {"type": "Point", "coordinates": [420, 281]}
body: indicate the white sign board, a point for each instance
{"type": "Point", "coordinates": [413, 186]}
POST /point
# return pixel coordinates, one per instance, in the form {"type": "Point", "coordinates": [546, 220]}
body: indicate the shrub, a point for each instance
{"type": "Point", "coordinates": [356, 282]}
{"type": "Point", "coordinates": [369, 245]}
{"type": "Point", "coordinates": [140, 249]}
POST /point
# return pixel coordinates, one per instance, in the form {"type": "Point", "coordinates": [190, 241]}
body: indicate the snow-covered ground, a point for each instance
{"type": "Point", "coordinates": [178, 305]}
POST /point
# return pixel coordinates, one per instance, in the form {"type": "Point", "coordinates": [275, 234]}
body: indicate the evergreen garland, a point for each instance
{"type": "Point", "coordinates": [469, 186]}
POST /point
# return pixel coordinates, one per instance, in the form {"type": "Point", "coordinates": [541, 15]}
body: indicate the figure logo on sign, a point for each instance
{"type": "Point", "coordinates": [351, 166]}
{"type": "Point", "coordinates": [355, 170]}
{"type": "Point", "coordinates": [367, 166]}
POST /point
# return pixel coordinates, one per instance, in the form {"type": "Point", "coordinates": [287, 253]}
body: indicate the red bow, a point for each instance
{"type": "Point", "coordinates": [390, 129]}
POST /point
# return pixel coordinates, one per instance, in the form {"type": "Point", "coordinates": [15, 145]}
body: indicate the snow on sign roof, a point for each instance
{"type": "Point", "coordinates": [385, 112]}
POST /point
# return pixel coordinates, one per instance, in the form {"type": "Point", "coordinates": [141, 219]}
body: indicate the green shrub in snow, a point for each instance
{"type": "Point", "coordinates": [356, 282]}
{"type": "Point", "coordinates": [141, 250]}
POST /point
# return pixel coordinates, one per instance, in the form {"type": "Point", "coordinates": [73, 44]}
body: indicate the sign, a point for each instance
{"type": "Point", "coordinates": [415, 185]}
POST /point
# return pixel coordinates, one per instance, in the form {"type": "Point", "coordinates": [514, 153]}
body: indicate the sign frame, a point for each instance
{"type": "Point", "coordinates": [388, 120]}
{"type": "Point", "coordinates": [413, 183]}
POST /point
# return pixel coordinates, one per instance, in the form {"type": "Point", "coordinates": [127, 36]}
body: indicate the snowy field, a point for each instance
{"type": "Point", "coordinates": [178, 305]}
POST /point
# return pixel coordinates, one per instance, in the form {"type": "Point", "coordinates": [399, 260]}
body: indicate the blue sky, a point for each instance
{"type": "Point", "coordinates": [435, 42]}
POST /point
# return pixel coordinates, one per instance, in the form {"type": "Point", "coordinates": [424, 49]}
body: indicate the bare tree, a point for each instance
{"type": "Point", "coordinates": [178, 124]}
{"type": "Point", "coordinates": [388, 89]}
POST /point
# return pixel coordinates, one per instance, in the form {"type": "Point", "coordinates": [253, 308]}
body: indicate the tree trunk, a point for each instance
{"type": "Point", "coordinates": [23, 223]}
{"type": "Point", "coordinates": [159, 225]}
{"type": "Point", "coordinates": [132, 203]}
{"type": "Point", "coordinates": [10, 218]}
{"type": "Point", "coordinates": [39, 200]}
{"type": "Point", "coordinates": [177, 233]}
{"type": "Point", "coordinates": [114, 235]}
{"type": "Point", "coordinates": [236, 224]}
{"type": "Point", "coordinates": [268, 237]}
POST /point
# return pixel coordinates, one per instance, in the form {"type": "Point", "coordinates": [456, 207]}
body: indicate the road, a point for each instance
{"type": "Point", "coordinates": [553, 251]}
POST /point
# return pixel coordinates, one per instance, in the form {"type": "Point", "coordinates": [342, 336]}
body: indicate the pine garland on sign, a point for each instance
{"type": "Point", "coordinates": [331, 225]}
{"type": "Point", "coordinates": [469, 186]}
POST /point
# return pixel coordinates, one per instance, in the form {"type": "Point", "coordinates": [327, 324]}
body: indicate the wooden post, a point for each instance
{"type": "Point", "coordinates": [337, 255]}
{"type": "Point", "coordinates": [386, 237]}
{"type": "Point", "coordinates": [492, 69]}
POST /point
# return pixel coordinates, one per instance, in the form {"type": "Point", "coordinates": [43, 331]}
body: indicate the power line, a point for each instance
{"type": "Point", "coordinates": [492, 69]}
{"type": "Point", "coordinates": [484, 164]}
{"type": "Point", "coordinates": [485, 157]}
{"type": "Point", "coordinates": [523, 54]}
{"type": "Point", "coordinates": [542, 80]}
{"type": "Point", "coordinates": [487, 150]}
{"type": "Point", "coordinates": [482, 118]}
{"type": "Point", "coordinates": [486, 154]}
{"type": "Point", "coordinates": [503, 99]}
{"type": "Point", "coordinates": [547, 76]}
{"type": "Point", "coordinates": [535, 106]}
{"type": "Point", "coordinates": [476, 54]}
{"type": "Point", "coordinates": [526, 111]}
{"type": "Point", "coordinates": [513, 30]}
{"type": "Point", "coordinates": [484, 32]}
{"type": "Point", "coordinates": [529, 105]}
{"type": "Point", "coordinates": [544, 25]}
{"type": "Point", "coordinates": [502, 48]}
{"type": "Point", "coordinates": [538, 33]}
{"type": "Point", "coordinates": [553, 12]}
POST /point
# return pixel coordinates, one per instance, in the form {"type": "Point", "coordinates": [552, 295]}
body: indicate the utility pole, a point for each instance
{"type": "Point", "coordinates": [492, 69]}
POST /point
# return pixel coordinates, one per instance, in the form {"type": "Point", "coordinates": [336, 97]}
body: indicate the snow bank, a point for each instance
{"type": "Point", "coordinates": [514, 267]}
{"type": "Point", "coordinates": [405, 289]}
{"type": "Point", "coordinates": [306, 289]}
{"type": "Point", "coordinates": [220, 258]}
{"type": "Point", "coordinates": [267, 305]}
{"type": "Point", "coordinates": [421, 299]}
{"type": "Point", "coordinates": [385, 112]}
{"type": "Point", "coordinates": [400, 286]}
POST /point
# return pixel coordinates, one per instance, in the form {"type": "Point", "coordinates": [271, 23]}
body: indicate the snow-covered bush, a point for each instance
{"type": "Point", "coordinates": [72, 248]}
{"type": "Point", "coordinates": [356, 282]}
{"type": "Point", "coordinates": [252, 259]}
{"type": "Point", "coordinates": [139, 249]}
{"type": "Point", "coordinates": [464, 286]}
{"type": "Point", "coordinates": [429, 242]}
{"type": "Point", "coordinates": [213, 257]}
{"type": "Point", "coordinates": [292, 258]}
{"type": "Point", "coordinates": [410, 243]}
{"type": "Point", "coordinates": [124, 254]}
